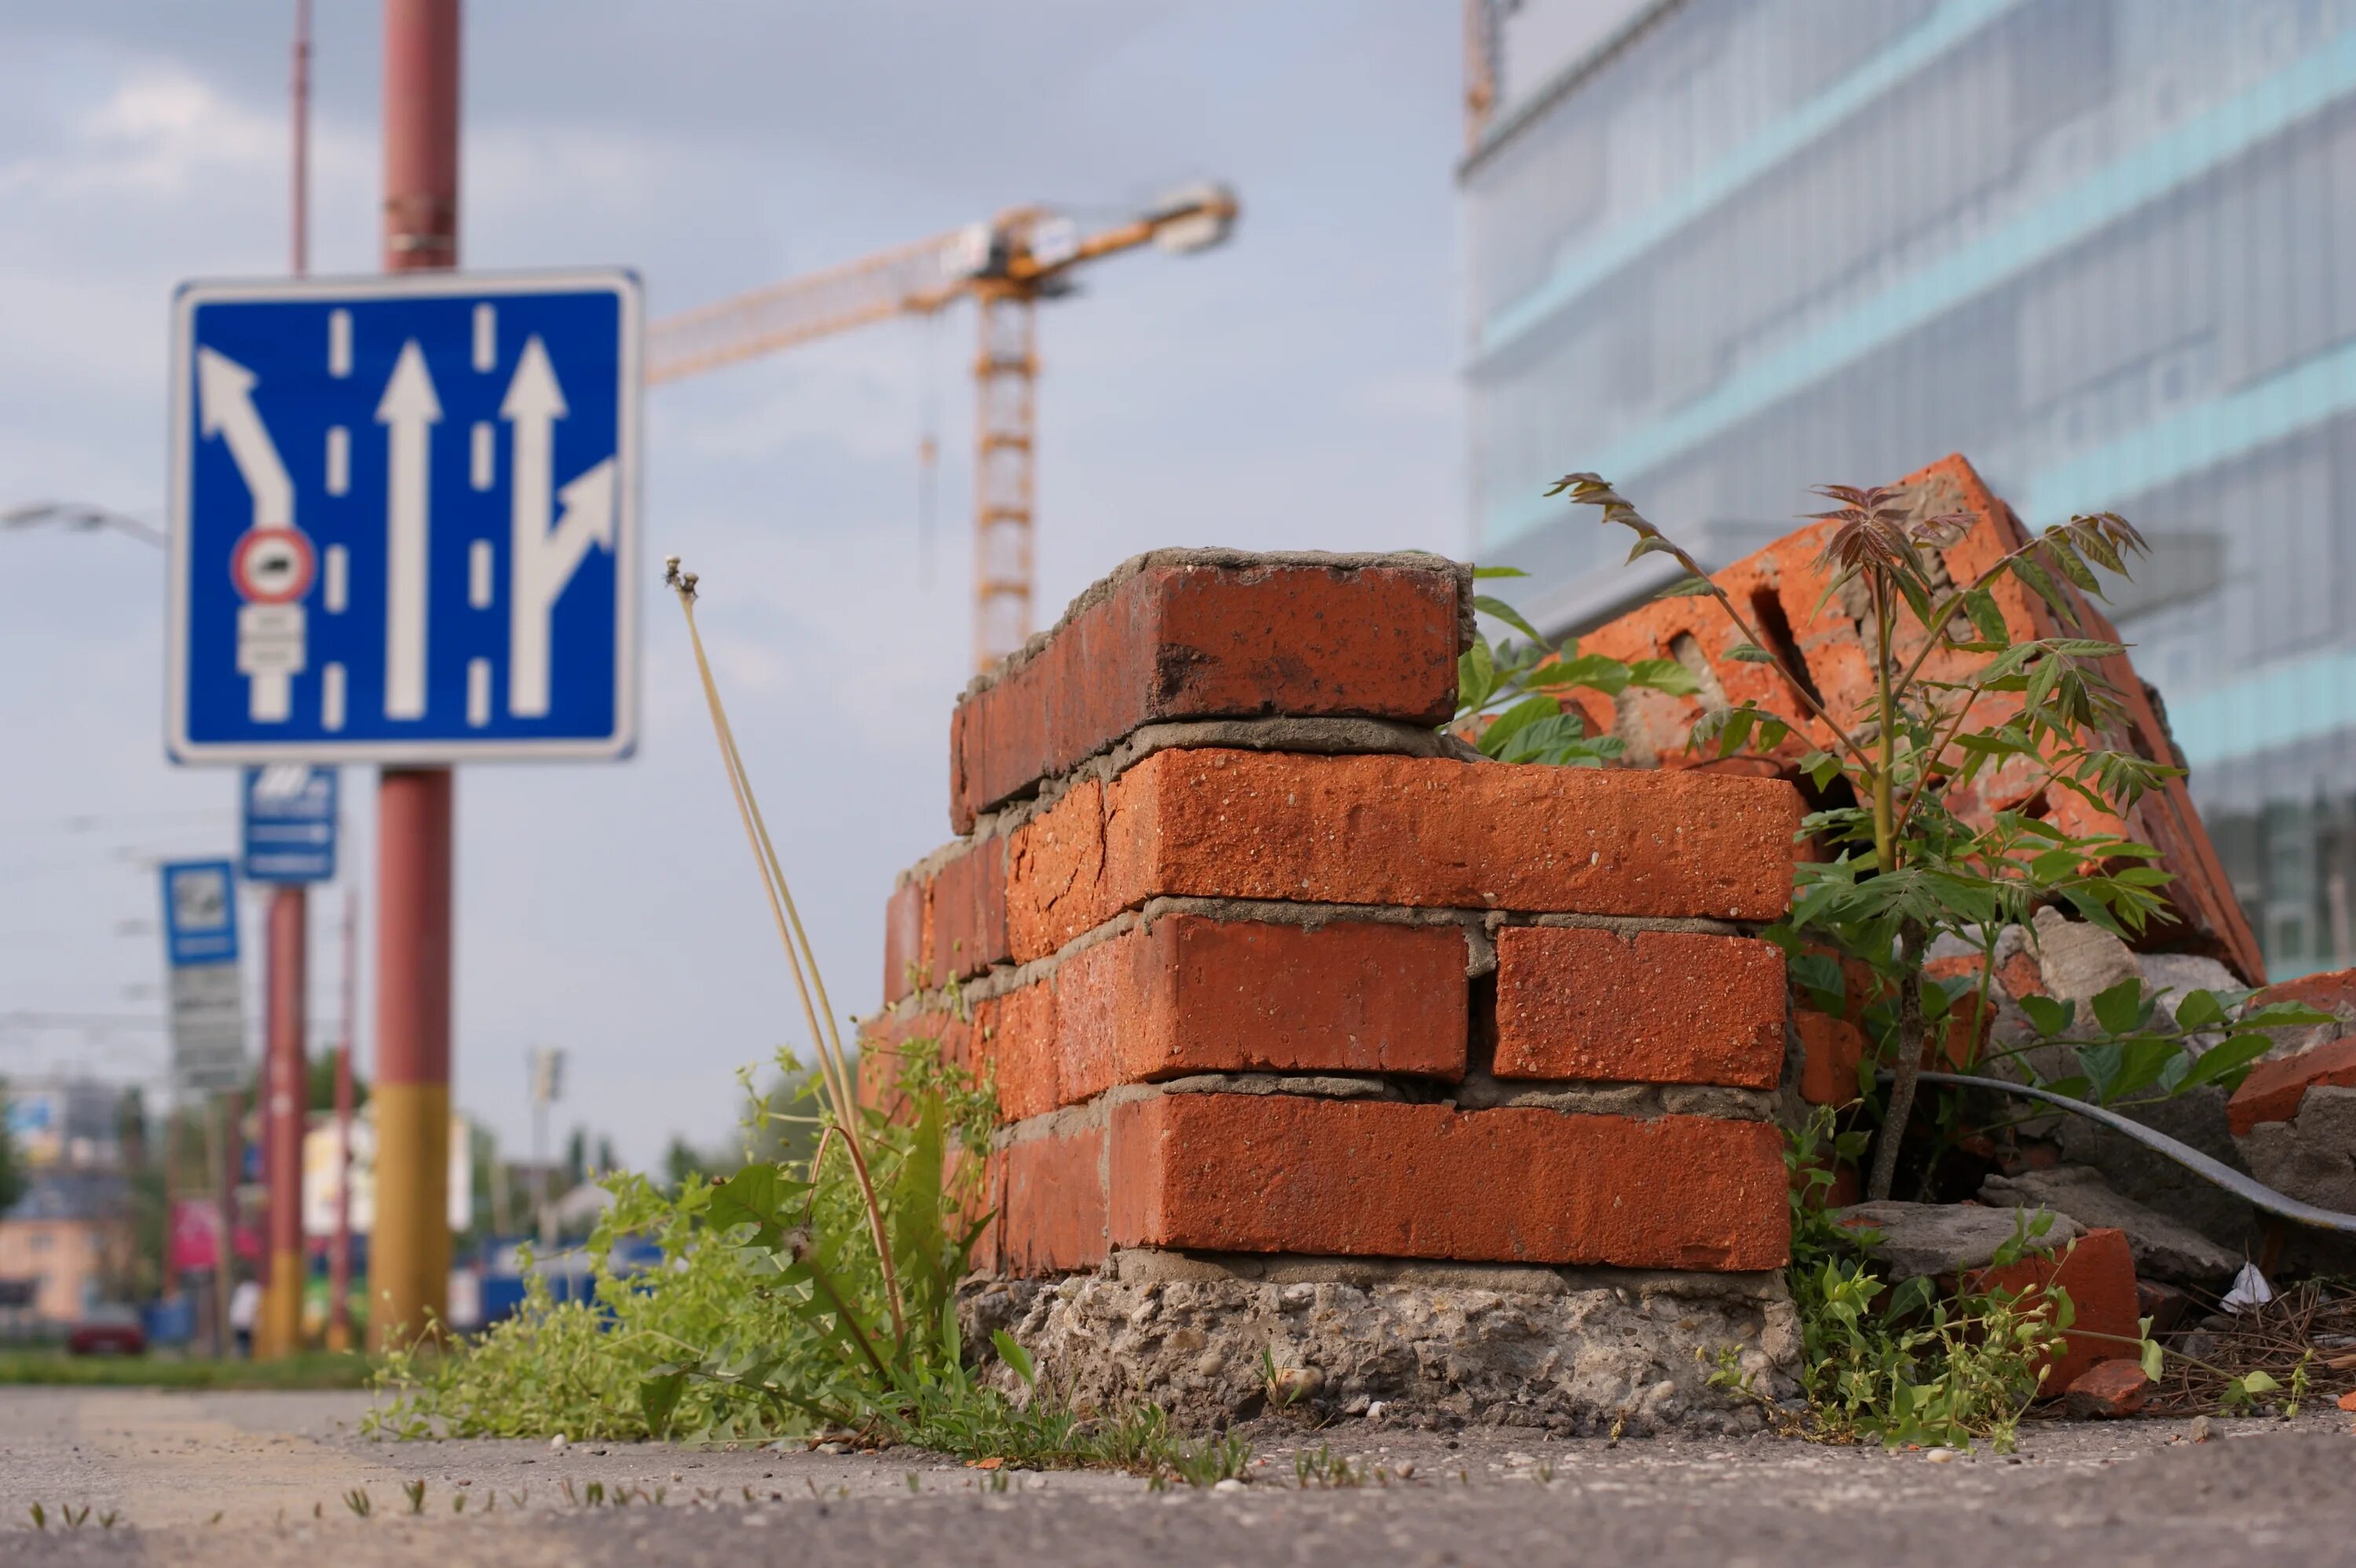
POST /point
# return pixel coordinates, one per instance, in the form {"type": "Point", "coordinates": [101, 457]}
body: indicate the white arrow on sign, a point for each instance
{"type": "Point", "coordinates": [225, 408]}
{"type": "Point", "coordinates": [408, 411]}
{"type": "Point", "coordinates": [542, 560]}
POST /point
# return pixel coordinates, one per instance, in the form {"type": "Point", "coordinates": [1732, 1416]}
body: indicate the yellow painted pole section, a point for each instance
{"type": "Point", "coordinates": [409, 1250]}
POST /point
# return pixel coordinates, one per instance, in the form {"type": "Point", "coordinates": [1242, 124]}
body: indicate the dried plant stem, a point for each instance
{"type": "Point", "coordinates": [827, 1039]}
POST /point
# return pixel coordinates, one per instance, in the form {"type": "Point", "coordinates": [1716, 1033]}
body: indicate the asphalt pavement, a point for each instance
{"type": "Point", "coordinates": [256, 1481]}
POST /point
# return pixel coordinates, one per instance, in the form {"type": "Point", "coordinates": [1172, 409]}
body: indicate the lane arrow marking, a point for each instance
{"type": "Point", "coordinates": [542, 560]}
{"type": "Point", "coordinates": [225, 408]}
{"type": "Point", "coordinates": [408, 411]}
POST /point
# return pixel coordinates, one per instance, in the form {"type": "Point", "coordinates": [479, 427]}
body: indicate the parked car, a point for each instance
{"type": "Point", "coordinates": [108, 1330]}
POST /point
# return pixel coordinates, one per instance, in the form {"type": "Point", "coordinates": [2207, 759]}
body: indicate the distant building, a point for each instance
{"type": "Point", "coordinates": [69, 1235]}
{"type": "Point", "coordinates": [2104, 248]}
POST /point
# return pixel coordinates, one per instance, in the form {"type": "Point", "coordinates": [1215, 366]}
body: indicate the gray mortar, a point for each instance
{"type": "Point", "coordinates": [1438, 1345]}
{"type": "Point", "coordinates": [1224, 557]}
{"type": "Point", "coordinates": [1637, 1101]}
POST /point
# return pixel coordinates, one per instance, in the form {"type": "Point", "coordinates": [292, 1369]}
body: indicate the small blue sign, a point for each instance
{"type": "Point", "coordinates": [289, 822]}
{"type": "Point", "coordinates": [404, 518]}
{"type": "Point", "coordinates": [200, 913]}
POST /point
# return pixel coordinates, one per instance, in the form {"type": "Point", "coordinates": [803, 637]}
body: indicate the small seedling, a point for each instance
{"type": "Point", "coordinates": [40, 1517]}
{"type": "Point", "coordinates": [415, 1492]}
{"type": "Point", "coordinates": [359, 1502]}
{"type": "Point", "coordinates": [912, 1480]}
{"type": "Point", "coordinates": [106, 1520]}
{"type": "Point", "coordinates": [1320, 1467]}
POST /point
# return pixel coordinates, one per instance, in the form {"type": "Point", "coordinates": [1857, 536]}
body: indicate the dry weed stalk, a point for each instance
{"type": "Point", "coordinates": [842, 1100]}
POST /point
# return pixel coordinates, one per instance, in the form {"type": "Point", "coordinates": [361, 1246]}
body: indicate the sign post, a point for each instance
{"type": "Point", "coordinates": [289, 813]}
{"type": "Point", "coordinates": [207, 1028]}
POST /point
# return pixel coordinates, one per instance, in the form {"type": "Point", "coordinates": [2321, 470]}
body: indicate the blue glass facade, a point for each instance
{"type": "Point", "coordinates": [2104, 248]}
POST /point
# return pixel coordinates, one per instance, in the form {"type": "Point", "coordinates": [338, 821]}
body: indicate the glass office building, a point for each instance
{"type": "Point", "coordinates": [2107, 248]}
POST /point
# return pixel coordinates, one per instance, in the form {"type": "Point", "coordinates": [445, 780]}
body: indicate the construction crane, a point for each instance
{"type": "Point", "coordinates": [1005, 266]}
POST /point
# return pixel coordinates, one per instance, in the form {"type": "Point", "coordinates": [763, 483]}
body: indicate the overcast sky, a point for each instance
{"type": "Point", "coordinates": [1295, 390]}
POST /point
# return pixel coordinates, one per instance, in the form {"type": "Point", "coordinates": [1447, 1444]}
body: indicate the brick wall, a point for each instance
{"type": "Point", "coordinates": [1257, 961]}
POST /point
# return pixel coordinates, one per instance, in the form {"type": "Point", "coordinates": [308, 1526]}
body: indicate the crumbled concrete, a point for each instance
{"type": "Point", "coordinates": [1919, 1239]}
{"type": "Point", "coordinates": [2164, 1247]}
{"type": "Point", "coordinates": [1573, 1351]}
{"type": "Point", "coordinates": [2176, 975]}
{"type": "Point", "coordinates": [2311, 1156]}
{"type": "Point", "coordinates": [2078, 961]}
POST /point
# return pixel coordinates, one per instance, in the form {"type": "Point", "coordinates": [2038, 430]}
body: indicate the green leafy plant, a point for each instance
{"type": "Point", "coordinates": [1956, 698]}
{"type": "Point", "coordinates": [1509, 696]}
{"type": "Point", "coordinates": [1905, 1364]}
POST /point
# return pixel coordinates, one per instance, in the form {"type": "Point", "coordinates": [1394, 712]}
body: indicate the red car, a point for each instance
{"type": "Point", "coordinates": [108, 1332]}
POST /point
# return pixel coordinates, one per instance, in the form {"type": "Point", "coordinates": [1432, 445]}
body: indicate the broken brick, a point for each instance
{"type": "Point", "coordinates": [2106, 1391]}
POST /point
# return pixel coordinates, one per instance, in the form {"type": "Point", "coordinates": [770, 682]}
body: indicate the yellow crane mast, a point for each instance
{"type": "Point", "coordinates": [1005, 266]}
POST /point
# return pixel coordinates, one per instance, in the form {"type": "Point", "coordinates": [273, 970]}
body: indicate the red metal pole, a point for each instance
{"type": "Point", "coordinates": [279, 1332]}
{"type": "Point", "coordinates": [409, 1250]}
{"type": "Point", "coordinates": [339, 1259]}
{"type": "Point", "coordinates": [301, 204]}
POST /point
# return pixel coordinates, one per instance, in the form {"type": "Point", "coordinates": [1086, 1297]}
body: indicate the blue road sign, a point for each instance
{"type": "Point", "coordinates": [404, 518]}
{"type": "Point", "coordinates": [200, 913]}
{"type": "Point", "coordinates": [289, 810]}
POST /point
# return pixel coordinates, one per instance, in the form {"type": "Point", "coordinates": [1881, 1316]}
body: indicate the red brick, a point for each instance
{"type": "Point", "coordinates": [2332, 992]}
{"type": "Point", "coordinates": [903, 939]}
{"type": "Point", "coordinates": [1286, 1173]}
{"type": "Point", "coordinates": [1198, 994]}
{"type": "Point", "coordinates": [1176, 641]}
{"type": "Point", "coordinates": [1211, 996]}
{"type": "Point", "coordinates": [2098, 1272]}
{"type": "Point", "coordinates": [1830, 1050]}
{"type": "Point", "coordinates": [1055, 874]}
{"type": "Point", "coordinates": [1047, 1194]}
{"type": "Point", "coordinates": [1662, 1007]}
{"type": "Point", "coordinates": [966, 933]}
{"type": "Point", "coordinates": [1019, 1052]}
{"type": "Point", "coordinates": [2274, 1089]}
{"type": "Point", "coordinates": [1419, 832]}
{"type": "Point", "coordinates": [2107, 1391]}
{"type": "Point", "coordinates": [948, 925]}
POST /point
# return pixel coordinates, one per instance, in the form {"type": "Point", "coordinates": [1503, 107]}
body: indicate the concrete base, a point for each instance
{"type": "Point", "coordinates": [1436, 1344]}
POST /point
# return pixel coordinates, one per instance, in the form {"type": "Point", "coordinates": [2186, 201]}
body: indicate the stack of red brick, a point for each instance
{"type": "Point", "coordinates": [1257, 962]}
